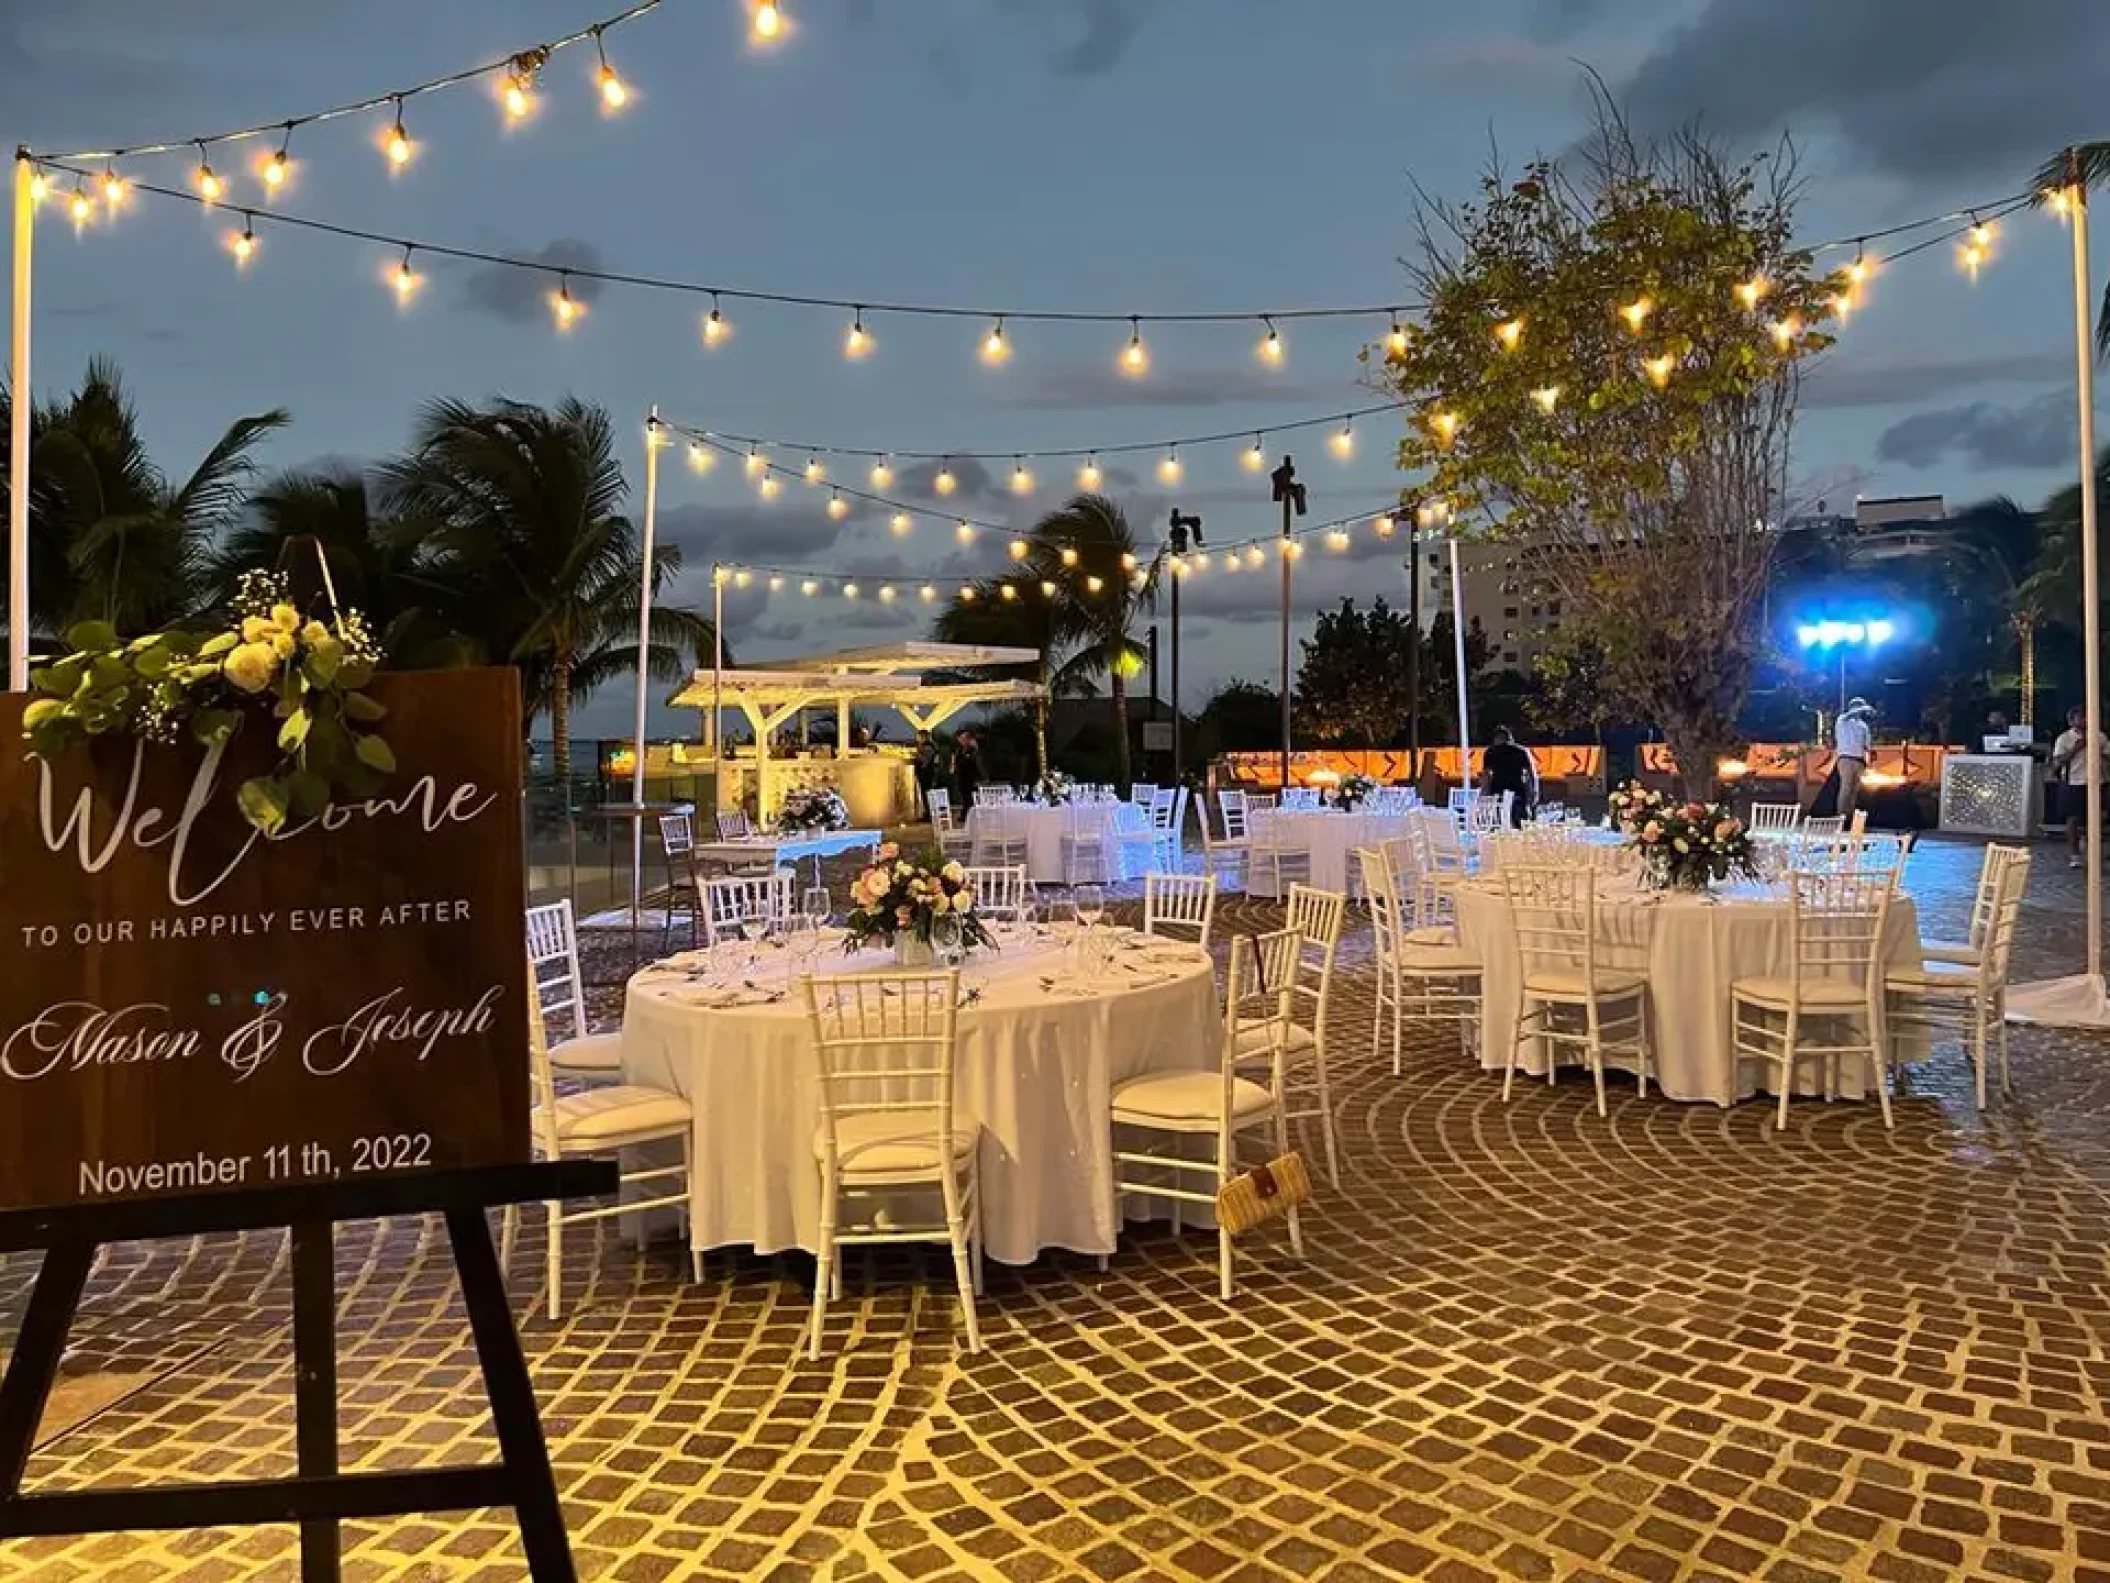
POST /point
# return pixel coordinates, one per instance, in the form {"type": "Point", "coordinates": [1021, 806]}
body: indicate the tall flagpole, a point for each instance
{"type": "Point", "coordinates": [653, 440]}
{"type": "Point", "coordinates": [18, 385]}
{"type": "Point", "coordinates": [718, 689]}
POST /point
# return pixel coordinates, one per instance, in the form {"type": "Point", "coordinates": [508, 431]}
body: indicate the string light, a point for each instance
{"type": "Point", "coordinates": [1089, 477]}
{"type": "Point", "coordinates": [563, 305]}
{"type": "Point", "coordinates": [242, 243]}
{"type": "Point", "coordinates": [81, 206]}
{"type": "Point", "coordinates": [1069, 555]}
{"type": "Point", "coordinates": [1271, 343]}
{"type": "Point", "coordinates": [406, 279]}
{"type": "Point", "coordinates": [1135, 358]}
{"type": "Point", "coordinates": [838, 508]}
{"type": "Point", "coordinates": [767, 488]}
{"type": "Point", "coordinates": [756, 462]}
{"type": "Point", "coordinates": [1976, 248]}
{"type": "Point", "coordinates": [964, 531]}
{"type": "Point", "coordinates": [210, 187]}
{"type": "Point", "coordinates": [882, 473]}
{"type": "Point", "coordinates": [1659, 370]}
{"type": "Point", "coordinates": [849, 590]}
{"type": "Point", "coordinates": [1020, 549]}
{"type": "Point", "coordinates": [1509, 332]}
{"type": "Point", "coordinates": [1047, 590]}
{"type": "Point", "coordinates": [886, 593]}
{"type": "Point", "coordinates": [1383, 526]}
{"type": "Point", "coordinates": [968, 594]}
{"type": "Point", "coordinates": [1010, 591]}
{"type": "Point", "coordinates": [859, 340]}
{"type": "Point", "coordinates": [815, 472]}
{"type": "Point", "coordinates": [927, 593]}
{"type": "Point", "coordinates": [1343, 442]}
{"type": "Point", "coordinates": [902, 524]}
{"type": "Point", "coordinates": [1636, 313]}
{"type": "Point", "coordinates": [1337, 539]}
{"type": "Point", "coordinates": [1750, 292]}
{"type": "Point", "coordinates": [1254, 555]}
{"type": "Point", "coordinates": [1785, 330]}
{"type": "Point", "coordinates": [995, 349]}
{"type": "Point", "coordinates": [716, 327]}
{"type": "Point", "coordinates": [1547, 396]}
{"type": "Point", "coordinates": [399, 147]}
{"type": "Point", "coordinates": [280, 165]}
{"type": "Point", "coordinates": [1396, 341]}
{"type": "Point", "coordinates": [1169, 470]}
{"type": "Point", "coordinates": [39, 186]}
{"type": "Point", "coordinates": [945, 483]}
{"type": "Point", "coordinates": [1446, 426]}
{"type": "Point", "coordinates": [1021, 477]}
{"type": "Point", "coordinates": [1128, 561]}
{"type": "Point", "coordinates": [701, 457]}
{"type": "Point", "coordinates": [519, 91]}
{"type": "Point", "coordinates": [776, 585]}
{"type": "Point", "coordinates": [809, 588]}
{"type": "Point", "coordinates": [1254, 457]}
{"type": "Point", "coordinates": [115, 189]}
{"type": "Point", "coordinates": [613, 94]}
{"type": "Point", "coordinates": [1094, 583]}
{"type": "Point", "coordinates": [1857, 271]}
{"type": "Point", "coordinates": [768, 20]}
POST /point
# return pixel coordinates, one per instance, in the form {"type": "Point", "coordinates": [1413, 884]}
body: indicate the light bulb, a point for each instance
{"type": "Point", "coordinates": [1343, 441]}
{"type": "Point", "coordinates": [210, 187]}
{"type": "Point", "coordinates": [700, 457]}
{"type": "Point", "coordinates": [859, 340]}
{"type": "Point", "coordinates": [276, 169]}
{"type": "Point", "coordinates": [1981, 235]}
{"type": "Point", "coordinates": [81, 206]}
{"type": "Point", "coordinates": [1088, 476]}
{"type": "Point", "coordinates": [776, 585]}
{"type": "Point", "coordinates": [926, 593]}
{"type": "Point", "coordinates": [755, 462]}
{"type": "Point", "coordinates": [1128, 561]}
{"type": "Point", "coordinates": [1094, 584]}
{"type": "Point", "coordinates": [716, 327]}
{"type": "Point", "coordinates": [1547, 396]}
{"type": "Point", "coordinates": [1509, 332]}
{"type": "Point", "coordinates": [1396, 342]}
{"type": "Point", "coordinates": [1659, 369]}
{"type": "Point", "coordinates": [1749, 292]}
{"type": "Point", "coordinates": [518, 99]}
{"type": "Point", "coordinates": [613, 94]}
{"type": "Point", "coordinates": [743, 578]}
{"type": "Point", "coordinates": [1292, 550]}
{"type": "Point", "coordinates": [838, 508]}
{"type": "Point", "coordinates": [1384, 525]}
{"type": "Point", "coordinates": [968, 594]}
{"type": "Point", "coordinates": [1254, 556]}
{"type": "Point", "coordinates": [1047, 590]}
{"type": "Point", "coordinates": [902, 523]}
{"type": "Point", "coordinates": [995, 349]}
{"type": "Point", "coordinates": [1337, 539]}
{"type": "Point", "coordinates": [768, 20]}
{"type": "Point", "coordinates": [1857, 271]}
{"type": "Point", "coordinates": [1021, 479]}
{"type": "Point", "coordinates": [1446, 426]}
{"type": "Point", "coordinates": [39, 187]}
{"type": "Point", "coordinates": [1784, 331]}
{"type": "Point", "coordinates": [767, 488]}
{"type": "Point", "coordinates": [406, 280]}
{"type": "Point", "coordinates": [564, 307]}
{"type": "Point", "coordinates": [1843, 305]}
{"type": "Point", "coordinates": [849, 590]}
{"type": "Point", "coordinates": [1254, 459]}
{"type": "Point", "coordinates": [964, 531]}
{"type": "Point", "coordinates": [1069, 555]}
{"type": "Point", "coordinates": [242, 243]}
{"type": "Point", "coordinates": [398, 145]}
{"type": "Point", "coordinates": [809, 588]}
{"type": "Point", "coordinates": [1636, 313]}
{"type": "Point", "coordinates": [945, 483]}
{"type": "Point", "coordinates": [1271, 343]}
{"type": "Point", "coordinates": [886, 593]}
{"type": "Point", "coordinates": [1230, 562]}
{"type": "Point", "coordinates": [720, 576]}
{"type": "Point", "coordinates": [1135, 357]}
{"type": "Point", "coordinates": [1169, 470]}
{"type": "Point", "coordinates": [882, 474]}
{"type": "Point", "coordinates": [115, 189]}
{"type": "Point", "coordinates": [1020, 549]}
{"type": "Point", "coordinates": [814, 471]}
{"type": "Point", "coordinates": [1971, 254]}
{"type": "Point", "coordinates": [1010, 592]}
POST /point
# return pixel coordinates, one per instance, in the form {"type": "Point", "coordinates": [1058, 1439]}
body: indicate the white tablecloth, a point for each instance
{"type": "Point", "coordinates": [1044, 829]}
{"type": "Point", "coordinates": [782, 851]}
{"type": "Point", "coordinates": [1691, 948]}
{"type": "Point", "coordinates": [1331, 837]}
{"type": "Point", "coordinates": [1040, 1054]}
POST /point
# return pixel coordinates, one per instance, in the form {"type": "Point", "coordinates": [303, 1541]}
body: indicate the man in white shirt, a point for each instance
{"type": "Point", "coordinates": [2069, 772]}
{"type": "Point", "coordinates": [1851, 738]}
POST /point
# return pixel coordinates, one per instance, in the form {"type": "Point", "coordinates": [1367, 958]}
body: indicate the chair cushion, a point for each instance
{"type": "Point", "coordinates": [1837, 994]}
{"type": "Point", "coordinates": [1439, 934]}
{"type": "Point", "coordinates": [597, 1052]}
{"type": "Point", "coordinates": [1432, 959]}
{"type": "Point", "coordinates": [1186, 1096]}
{"type": "Point", "coordinates": [1253, 1039]}
{"type": "Point", "coordinates": [1947, 951]}
{"type": "Point", "coordinates": [616, 1111]}
{"type": "Point", "coordinates": [1610, 981]}
{"type": "Point", "coordinates": [1933, 975]}
{"type": "Point", "coordinates": [895, 1142]}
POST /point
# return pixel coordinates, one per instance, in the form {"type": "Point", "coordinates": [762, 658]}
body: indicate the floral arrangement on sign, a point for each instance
{"type": "Point", "coordinates": [1349, 794]}
{"type": "Point", "coordinates": [1630, 804]}
{"type": "Point", "coordinates": [895, 900]}
{"type": "Point", "coordinates": [1689, 846]}
{"type": "Point", "coordinates": [813, 808]}
{"type": "Point", "coordinates": [274, 661]}
{"type": "Point", "coordinates": [1053, 788]}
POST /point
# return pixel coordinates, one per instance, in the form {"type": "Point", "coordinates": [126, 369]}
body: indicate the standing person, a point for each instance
{"type": "Point", "coordinates": [2069, 772]}
{"type": "Point", "coordinates": [1506, 767]}
{"type": "Point", "coordinates": [966, 769]}
{"type": "Point", "coordinates": [925, 764]}
{"type": "Point", "coordinates": [1851, 739]}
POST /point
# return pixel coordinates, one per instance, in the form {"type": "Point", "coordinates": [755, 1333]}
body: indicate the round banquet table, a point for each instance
{"type": "Point", "coordinates": [1691, 948]}
{"type": "Point", "coordinates": [1045, 827]}
{"type": "Point", "coordinates": [1040, 1053]}
{"type": "Point", "coordinates": [1329, 835]}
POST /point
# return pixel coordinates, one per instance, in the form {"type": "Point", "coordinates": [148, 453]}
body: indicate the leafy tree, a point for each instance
{"type": "Point", "coordinates": [1567, 698]}
{"type": "Point", "coordinates": [1439, 674]}
{"type": "Point", "coordinates": [1090, 555]}
{"type": "Point", "coordinates": [1025, 620]}
{"type": "Point", "coordinates": [520, 505]}
{"type": "Point", "coordinates": [1352, 684]}
{"type": "Point", "coordinates": [1607, 375]}
{"type": "Point", "coordinates": [1242, 717]}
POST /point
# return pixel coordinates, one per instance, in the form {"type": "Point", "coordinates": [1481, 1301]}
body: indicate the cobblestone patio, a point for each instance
{"type": "Point", "coordinates": [1528, 1344]}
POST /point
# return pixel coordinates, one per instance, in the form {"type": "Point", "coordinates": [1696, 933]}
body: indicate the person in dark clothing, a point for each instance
{"type": "Point", "coordinates": [1507, 767]}
{"type": "Point", "coordinates": [925, 764]}
{"type": "Point", "coordinates": [966, 770]}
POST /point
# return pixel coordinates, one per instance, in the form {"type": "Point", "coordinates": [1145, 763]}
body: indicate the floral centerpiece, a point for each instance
{"type": "Point", "coordinates": [813, 808]}
{"type": "Point", "coordinates": [895, 902]}
{"type": "Point", "coordinates": [1053, 788]}
{"type": "Point", "coordinates": [1631, 804]}
{"type": "Point", "coordinates": [274, 662]}
{"type": "Point", "coordinates": [1349, 794]}
{"type": "Point", "coordinates": [1689, 846]}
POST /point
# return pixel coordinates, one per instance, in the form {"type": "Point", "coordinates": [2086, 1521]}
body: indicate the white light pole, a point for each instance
{"type": "Point", "coordinates": [1465, 733]}
{"type": "Point", "coordinates": [18, 429]}
{"type": "Point", "coordinates": [654, 439]}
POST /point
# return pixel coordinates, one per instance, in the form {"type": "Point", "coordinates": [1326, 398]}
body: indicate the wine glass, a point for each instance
{"type": "Point", "coordinates": [815, 906]}
{"type": "Point", "coordinates": [1090, 905]}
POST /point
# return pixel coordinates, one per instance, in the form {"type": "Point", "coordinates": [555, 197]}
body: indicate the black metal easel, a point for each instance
{"type": "Point", "coordinates": [318, 1497]}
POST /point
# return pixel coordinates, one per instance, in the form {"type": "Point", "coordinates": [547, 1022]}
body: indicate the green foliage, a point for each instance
{"type": "Point", "coordinates": [1352, 683]}
{"type": "Point", "coordinates": [1570, 698]}
{"type": "Point", "coordinates": [1242, 717]}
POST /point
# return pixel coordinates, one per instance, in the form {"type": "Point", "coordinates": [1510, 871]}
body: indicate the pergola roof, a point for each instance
{"type": "Point", "coordinates": [907, 659]}
{"type": "Point", "coordinates": [778, 689]}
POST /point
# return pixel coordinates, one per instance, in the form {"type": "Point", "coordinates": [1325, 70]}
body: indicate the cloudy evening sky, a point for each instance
{"type": "Point", "coordinates": [1119, 155]}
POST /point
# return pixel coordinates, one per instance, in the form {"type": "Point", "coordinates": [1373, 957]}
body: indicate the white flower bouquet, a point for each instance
{"type": "Point", "coordinates": [1629, 805]}
{"type": "Point", "coordinates": [1054, 788]}
{"type": "Point", "coordinates": [813, 808]}
{"type": "Point", "coordinates": [1351, 791]}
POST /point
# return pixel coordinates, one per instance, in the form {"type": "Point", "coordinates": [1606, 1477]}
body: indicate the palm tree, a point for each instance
{"type": "Point", "coordinates": [518, 506]}
{"type": "Point", "coordinates": [1088, 551]}
{"type": "Point", "coordinates": [1026, 620]}
{"type": "Point", "coordinates": [110, 537]}
{"type": "Point", "coordinates": [2090, 164]}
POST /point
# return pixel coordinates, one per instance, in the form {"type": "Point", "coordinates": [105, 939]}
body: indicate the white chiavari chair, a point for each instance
{"type": "Point", "coordinates": [1174, 904]}
{"type": "Point", "coordinates": [1829, 1007]}
{"type": "Point", "coordinates": [1318, 916]}
{"type": "Point", "coordinates": [1443, 863]}
{"type": "Point", "coordinates": [991, 796]}
{"type": "Point", "coordinates": [1991, 870]}
{"type": "Point", "coordinates": [1081, 851]}
{"type": "Point", "coordinates": [606, 1118]}
{"type": "Point", "coordinates": [1305, 799]}
{"type": "Point", "coordinates": [1277, 846]}
{"type": "Point", "coordinates": [1000, 890]}
{"type": "Point", "coordinates": [560, 996]}
{"type": "Point", "coordinates": [746, 906]}
{"type": "Point", "coordinates": [1228, 854]}
{"type": "Point", "coordinates": [1819, 843]}
{"type": "Point", "coordinates": [1462, 798]}
{"type": "Point", "coordinates": [1489, 814]}
{"type": "Point", "coordinates": [891, 1131]}
{"type": "Point", "coordinates": [1881, 853]}
{"type": "Point", "coordinates": [1426, 980]}
{"type": "Point", "coordinates": [1969, 998]}
{"type": "Point", "coordinates": [677, 846]}
{"type": "Point", "coordinates": [1570, 999]}
{"type": "Point", "coordinates": [953, 840]}
{"type": "Point", "coordinates": [1258, 802]}
{"type": "Point", "coordinates": [1225, 1104]}
{"type": "Point", "coordinates": [1774, 818]}
{"type": "Point", "coordinates": [999, 836]}
{"type": "Point", "coordinates": [733, 824]}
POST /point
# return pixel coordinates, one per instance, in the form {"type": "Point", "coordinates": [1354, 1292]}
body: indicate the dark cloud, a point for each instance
{"type": "Point", "coordinates": [1090, 385]}
{"type": "Point", "coordinates": [777, 534]}
{"type": "Point", "coordinates": [1933, 89]}
{"type": "Point", "coordinates": [977, 485]}
{"type": "Point", "coordinates": [1558, 20]}
{"type": "Point", "coordinates": [1836, 384]}
{"type": "Point", "coordinates": [522, 296]}
{"type": "Point", "coordinates": [2041, 433]}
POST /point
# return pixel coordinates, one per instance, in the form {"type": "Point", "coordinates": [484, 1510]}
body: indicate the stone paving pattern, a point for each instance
{"type": "Point", "coordinates": [1528, 1344]}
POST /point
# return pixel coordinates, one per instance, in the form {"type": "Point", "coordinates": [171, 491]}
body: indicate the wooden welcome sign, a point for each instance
{"type": "Point", "coordinates": [187, 1006]}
